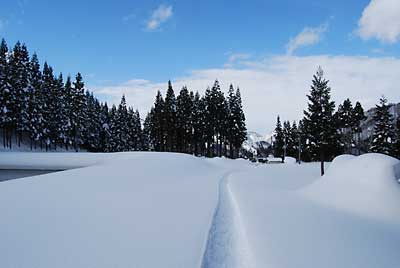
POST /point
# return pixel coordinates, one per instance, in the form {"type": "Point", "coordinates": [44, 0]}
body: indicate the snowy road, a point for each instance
{"type": "Point", "coordinates": [172, 210]}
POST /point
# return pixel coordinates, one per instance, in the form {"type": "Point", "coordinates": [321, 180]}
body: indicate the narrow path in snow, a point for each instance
{"type": "Point", "coordinates": [227, 244]}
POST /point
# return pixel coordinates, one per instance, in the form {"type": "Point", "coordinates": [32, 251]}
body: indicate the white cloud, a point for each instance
{"type": "Point", "coordinates": [380, 20]}
{"type": "Point", "coordinates": [159, 16]}
{"type": "Point", "coordinates": [307, 37]}
{"type": "Point", "coordinates": [278, 85]}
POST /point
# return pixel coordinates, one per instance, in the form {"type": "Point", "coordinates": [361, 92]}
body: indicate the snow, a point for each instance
{"type": "Point", "coordinates": [174, 210]}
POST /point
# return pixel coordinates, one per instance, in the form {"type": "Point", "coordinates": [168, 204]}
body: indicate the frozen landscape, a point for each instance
{"type": "Point", "coordinates": [173, 210]}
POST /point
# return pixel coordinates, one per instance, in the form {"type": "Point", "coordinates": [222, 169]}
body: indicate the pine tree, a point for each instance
{"type": "Point", "coordinates": [148, 141]}
{"type": "Point", "coordinates": [35, 117]}
{"type": "Point", "coordinates": [236, 127]}
{"type": "Point", "coordinates": [47, 101]}
{"type": "Point", "coordinates": [198, 121]}
{"type": "Point", "coordinates": [184, 107]}
{"type": "Point", "coordinates": [158, 124]}
{"type": "Point", "coordinates": [69, 111]}
{"type": "Point", "coordinates": [320, 132]}
{"type": "Point", "coordinates": [345, 120]}
{"type": "Point", "coordinates": [358, 117]}
{"type": "Point", "coordinates": [279, 144]}
{"type": "Point", "coordinates": [5, 119]}
{"type": "Point", "coordinates": [78, 107]}
{"type": "Point", "coordinates": [170, 119]}
{"type": "Point", "coordinates": [105, 127]}
{"type": "Point", "coordinates": [19, 83]}
{"type": "Point", "coordinates": [383, 135]}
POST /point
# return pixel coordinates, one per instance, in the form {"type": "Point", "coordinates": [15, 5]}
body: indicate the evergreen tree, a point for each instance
{"type": "Point", "coordinates": [105, 127]}
{"type": "Point", "coordinates": [48, 104]}
{"type": "Point", "coordinates": [35, 117]}
{"type": "Point", "coordinates": [77, 114]}
{"type": "Point", "coordinates": [345, 121]}
{"type": "Point", "coordinates": [170, 120]}
{"type": "Point", "coordinates": [279, 143]}
{"type": "Point", "coordinates": [148, 141]}
{"type": "Point", "coordinates": [158, 124]}
{"type": "Point", "coordinates": [184, 107]}
{"type": "Point", "coordinates": [319, 130]}
{"type": "Point", "coordinates": [112, 145]}
{"type": "Point", "coordinates": [236, 127]}
{"type": "Point", "coordinates": [199, 122]}
{"type": "Point", "coordinates": [383, 135]}
{"type": "Point", "coordinates": [19, 83]}
{"type": "Point", "coordinates": [5, 117]}
{"type": "Point", "coordinates": [358, 117]}
{"type": "Point", "coordinates": [70, 112]}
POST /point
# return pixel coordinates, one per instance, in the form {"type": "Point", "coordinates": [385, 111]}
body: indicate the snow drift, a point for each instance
{"type": "Point", "coordinates": [366, 185]}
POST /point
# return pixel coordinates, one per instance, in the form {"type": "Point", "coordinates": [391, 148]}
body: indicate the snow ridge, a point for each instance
{"type": "Point", "coordinates": [227, 244]}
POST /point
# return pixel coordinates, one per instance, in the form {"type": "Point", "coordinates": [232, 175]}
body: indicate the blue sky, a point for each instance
{"type": "Point", "coordinates": [137, 45]}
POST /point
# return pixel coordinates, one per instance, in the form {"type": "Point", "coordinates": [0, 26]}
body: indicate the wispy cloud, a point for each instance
{"type": "Point", "coordinates": [380, 20]}
{"type": "Point", "coordinates": [159, 16]}
{"type": "Point", "coordinates": [236, 58]}
{"type": "Point", "coordinates": [307, 37]}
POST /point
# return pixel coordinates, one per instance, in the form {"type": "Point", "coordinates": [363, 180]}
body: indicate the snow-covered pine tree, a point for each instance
{"type": "Point", "coordinates": [148, 142]}
{"type": "Point", "coordinates": [78, 107]}
{"type": "Point", "coordinates": [383, 135]}
{"type": "Point", "coordinates": [61, 112]}
{"type": "Point", "coordinates": [122, 134]}
{"type": "Point", "coordinates": [112, 145]}
{"type": "Point", "coordinates": [184, 108]}
{"type": "Point", "coordinates": [344, 119]}
{"type": "Point", "coordinates": [92, 129]}
{"type": "Point", "coordinates": [35, 106]}
{"type": "Point", "coordinates": [19, 82]}
{"type": "Point", "coordinates": [69, 110]}
{"type": "Point", "coordinates": [48, 104]}
{"type": "Point", "coordinates": [5, 118]}
{"type": "Point", "coordinates": [358, 117]}
{"type": "Point", "coordinates": [170, 119]}
{"type": "Point", "coordinates": [279, 142]}
{"type": "Point", "coordinates": [236, 128]}
{"type": "Point", "coordinates": [294, 140]}
{"type": "Point", "coordinates": [320, 132]}
{"type": "Point", "coordinates": [138, 131]}
{"type": "Point", "coordinates": [105, 127]}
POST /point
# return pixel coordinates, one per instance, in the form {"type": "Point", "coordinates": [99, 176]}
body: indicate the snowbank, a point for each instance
{"type": "Point", "coordinates": [365, 185]}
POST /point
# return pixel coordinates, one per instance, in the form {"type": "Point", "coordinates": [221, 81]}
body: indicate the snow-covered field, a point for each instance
{"type": "Point", "coordinates": [173, 210]}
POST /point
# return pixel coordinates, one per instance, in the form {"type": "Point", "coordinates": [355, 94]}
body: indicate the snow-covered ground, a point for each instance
{"type": "Point", "coordinates": [173, 210]}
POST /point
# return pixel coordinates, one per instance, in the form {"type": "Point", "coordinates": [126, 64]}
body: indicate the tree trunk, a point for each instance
{"type": "Point", "coordinates": [322, 162]}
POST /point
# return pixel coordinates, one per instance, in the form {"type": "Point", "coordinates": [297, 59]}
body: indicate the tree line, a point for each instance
{"type": "Point", "coordinates": [324, 133]}
{"type": "Point", "coordinates": [209, 125]}
{"type": "Point", "coordinates": [39, 106]}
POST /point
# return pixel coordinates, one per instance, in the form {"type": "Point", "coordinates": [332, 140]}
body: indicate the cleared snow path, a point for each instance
{"type": "Point", "coordinates": [227, 244]}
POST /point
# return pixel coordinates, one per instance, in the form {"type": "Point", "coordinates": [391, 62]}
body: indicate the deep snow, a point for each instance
{"type": "Point", "coordinates": [173, 210]}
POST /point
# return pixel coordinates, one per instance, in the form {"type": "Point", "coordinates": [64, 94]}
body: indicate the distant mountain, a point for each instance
{"type": "Point", "coordinates": [256, 143]}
